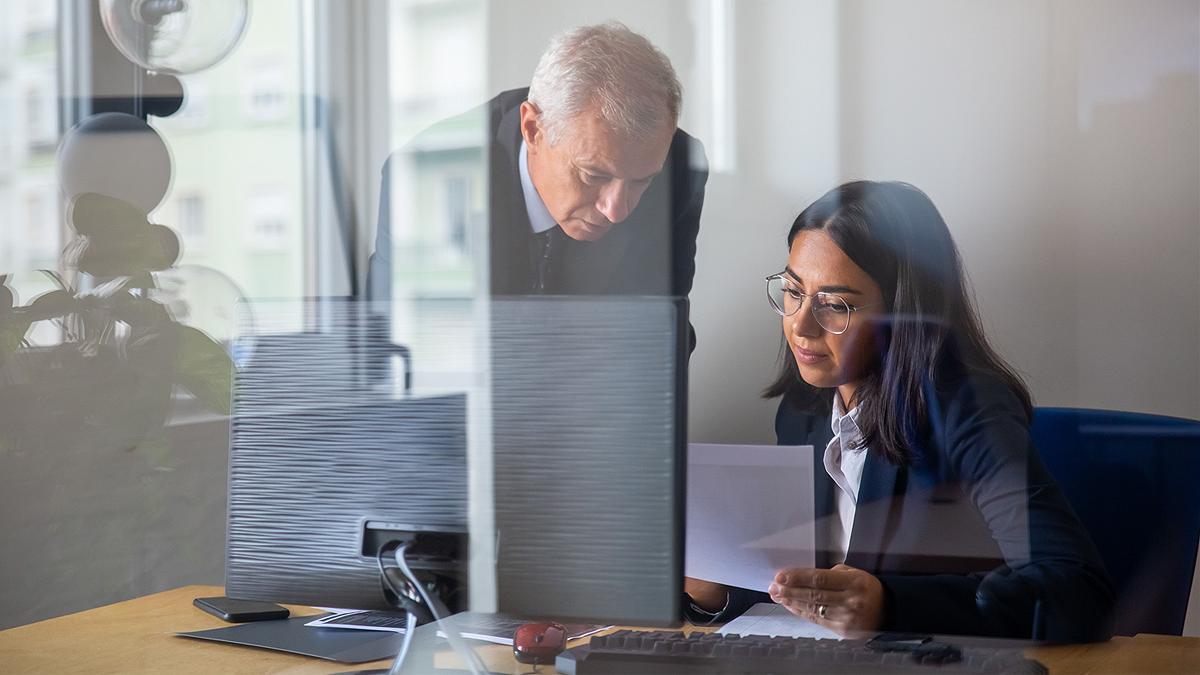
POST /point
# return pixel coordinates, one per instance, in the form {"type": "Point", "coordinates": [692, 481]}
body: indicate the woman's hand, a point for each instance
{"type": "Point", "coordinates": [707, 595]}
{"type": "Point", "coordinates": [843, 598]}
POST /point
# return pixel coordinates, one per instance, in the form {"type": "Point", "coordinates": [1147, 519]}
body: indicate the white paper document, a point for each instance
{"type": "Point", "coordinates": [749, 512]}
{"type": "Point", "coordinates": [774, 620]}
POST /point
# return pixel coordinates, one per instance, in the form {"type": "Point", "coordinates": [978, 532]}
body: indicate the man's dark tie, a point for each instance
{"type": "Point", "coordinates": [543, 245]}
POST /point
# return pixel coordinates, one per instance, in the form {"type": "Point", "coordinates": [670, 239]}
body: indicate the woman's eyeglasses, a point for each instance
{"type": "Point", "coordinates": [830, 311]}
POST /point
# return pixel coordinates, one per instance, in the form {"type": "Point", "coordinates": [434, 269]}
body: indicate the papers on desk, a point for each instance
{"type": "Point", "coordinates": [359, 619]}
{"type": "Point", "coordinates": [774, 620]}
{"type": "Point", "coordinates": [749, 512]}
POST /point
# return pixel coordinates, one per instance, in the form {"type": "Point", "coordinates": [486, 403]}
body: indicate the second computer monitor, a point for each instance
{"type": "Point", "coordinates": [589, 444]}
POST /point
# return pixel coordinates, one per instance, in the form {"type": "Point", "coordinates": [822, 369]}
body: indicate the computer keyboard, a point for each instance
{"type": "Point", "coordinates": [638, 652]}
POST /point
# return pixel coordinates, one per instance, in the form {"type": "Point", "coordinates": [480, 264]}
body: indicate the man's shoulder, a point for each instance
{"type": "Point", "coordinates": [473, 127]}
{"type": "Point", "coordinates": [505, 101]}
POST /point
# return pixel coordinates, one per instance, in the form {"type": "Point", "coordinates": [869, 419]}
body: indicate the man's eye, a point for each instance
{"type": "Point", "coordinates": [793, 293]}
{"type": "Point", "coordinates": [592, 178]}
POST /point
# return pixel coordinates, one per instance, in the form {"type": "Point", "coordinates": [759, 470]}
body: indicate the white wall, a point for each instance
{"type": "Point", "coordinates": [1059, 138]}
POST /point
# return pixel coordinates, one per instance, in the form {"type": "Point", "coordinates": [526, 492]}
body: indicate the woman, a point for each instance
{"type": "Point", "coordinates": [935, 514]}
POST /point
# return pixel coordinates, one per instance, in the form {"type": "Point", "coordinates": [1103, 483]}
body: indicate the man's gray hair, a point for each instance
{"type": "Point", "coordinates": [611, 69]}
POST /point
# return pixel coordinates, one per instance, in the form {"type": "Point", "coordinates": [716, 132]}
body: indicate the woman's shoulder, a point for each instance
{"type": "Point", "coordinates": [977, 418]}
{"type": "Point", "coordinates": [799, 417]}
{"type": "Point", "coordinates": [965, 392]}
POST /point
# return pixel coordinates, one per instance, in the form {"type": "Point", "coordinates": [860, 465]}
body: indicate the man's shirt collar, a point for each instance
{"type": "Point", "coordinates": [539, 216]}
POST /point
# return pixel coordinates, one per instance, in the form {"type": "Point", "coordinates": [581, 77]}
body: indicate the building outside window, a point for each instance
{"type": "Point", "coordinates": [41, 119]}
{"type": "Point", "coordinates": [269, 214]}
{"type": "Point", "coordinates": [224, 140]}
{"type": "Point", "coordinates": [436, 53]}
{"type": "Point", "coordinates": [457, 193]}
{"type": "Point", "coordinates": [195, 110]}
{"type": "Point", "coordinates": [32, 230]}
{"type": "Point", "coordinates": [265, 99]}
{"type": "Point", "coordinates": [190, 221]}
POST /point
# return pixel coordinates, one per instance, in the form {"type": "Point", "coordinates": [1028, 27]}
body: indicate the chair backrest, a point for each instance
{"type": "Point", "coordinates": [1134, 481]}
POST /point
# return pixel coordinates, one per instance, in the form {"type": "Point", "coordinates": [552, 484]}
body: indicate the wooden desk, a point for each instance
{"type": "Point", "coordinates": [137, 636]}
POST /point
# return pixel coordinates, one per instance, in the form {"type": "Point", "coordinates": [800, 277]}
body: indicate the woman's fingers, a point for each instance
{"type": "Point", "coordinates": [807, 577]}
{"type": "Point", "coordinates": [808, 594]}
{"type": "Point", "coordinates": [841, 598]}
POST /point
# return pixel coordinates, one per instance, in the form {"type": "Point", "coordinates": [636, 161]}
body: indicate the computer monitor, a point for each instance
{"type": "Point", "coordinates": [330, 459]}
{"type": "Point", "coordinates": [587, 410]}
{"type": "Point", "coordinates": [589, 428]}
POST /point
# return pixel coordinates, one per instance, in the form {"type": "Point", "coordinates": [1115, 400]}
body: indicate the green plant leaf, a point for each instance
{"type": "Point", "coordinates": [100, 216]}
{"type": "Point", "coordinates": [204, 368]}
{"type": "Point", "coordinates": [13, 327]}
{"type": "Point", "coordinates": [120, 241]}
{"type": "Point", "coordinates": [140, 312]}
{"type": "Point", "coordinates": [50, 305]}
{"type": "Point", "coordinates": [57, 279]}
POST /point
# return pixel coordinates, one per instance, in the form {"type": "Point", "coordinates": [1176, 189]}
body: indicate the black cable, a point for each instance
{"type": "Point", "coordinates": [410, 601]}
{"type": "Point", "coordinates": [439, 613]}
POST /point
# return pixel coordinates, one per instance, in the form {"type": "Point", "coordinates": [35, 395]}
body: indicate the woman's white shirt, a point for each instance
{"type": "Point", "coordinates": [844, 461]}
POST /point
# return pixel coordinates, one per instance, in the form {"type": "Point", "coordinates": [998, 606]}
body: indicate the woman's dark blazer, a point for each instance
{"type": "Point", "coordinates": [972, 536]}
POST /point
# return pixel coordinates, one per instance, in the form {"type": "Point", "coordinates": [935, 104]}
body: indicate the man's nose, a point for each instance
{"type": "Point", "coordinates": [614, 202]}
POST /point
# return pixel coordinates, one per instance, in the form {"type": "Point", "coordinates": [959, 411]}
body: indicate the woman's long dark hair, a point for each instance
{"type": "Point", "coordinates": [896, 235]}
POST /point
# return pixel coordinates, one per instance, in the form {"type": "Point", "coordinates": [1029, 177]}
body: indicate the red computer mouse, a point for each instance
{"type": "Point", "coordinates": [539, 642]}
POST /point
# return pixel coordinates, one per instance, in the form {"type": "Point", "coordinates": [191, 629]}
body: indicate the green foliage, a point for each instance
{"type": "Point", "coordinates": [111, 379]}
{"type": "Point", "coordinates": [204, 369]}
{"type": "Point", "coordinates": [120, 239]}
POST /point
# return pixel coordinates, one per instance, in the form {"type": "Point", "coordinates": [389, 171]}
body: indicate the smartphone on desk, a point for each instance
{"type": "Point", "coordinates": [241, 611]}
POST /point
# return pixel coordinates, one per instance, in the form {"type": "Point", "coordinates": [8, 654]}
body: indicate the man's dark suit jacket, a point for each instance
{"type": "Point", "coordinates": [652, 252]}
{"type": "Point", "coordinates": [972, 537]}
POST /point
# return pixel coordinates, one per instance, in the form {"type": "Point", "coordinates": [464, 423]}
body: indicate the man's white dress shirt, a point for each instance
{"type": "Point", "coordinates": [539, 215]}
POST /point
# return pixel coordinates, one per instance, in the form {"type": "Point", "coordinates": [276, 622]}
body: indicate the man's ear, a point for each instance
{"type": "Point", "coordinates": [531, 125]}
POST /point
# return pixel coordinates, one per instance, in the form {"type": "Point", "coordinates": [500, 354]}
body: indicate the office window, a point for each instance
{"type": "Point", "coordinates": [269, 215]}
{"type": "Point", "coordinates": [40, 233]}
{"type": "Point", "coordinates": [7, 121]}
{"type": "Point", "coordinates": [190, 220]}
{"type": "Point", "coordinates": [41, 119]}
{"type": "Point", "coordinates": [38, 19]}
{"type": "Point", "coordinates": [458, 211]}
{"type": "Point", "coordinates": [222, 146]}
{"type": "Point", "coordinates": [265, 99]}
{"type": "Point", "coordinates": [32, 232]}
{"type": "Point", "coordinates": [195, 110]}
{"type": "Point", "coordinates": [436, 71]}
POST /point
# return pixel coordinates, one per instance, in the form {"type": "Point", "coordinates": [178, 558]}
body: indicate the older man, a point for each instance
{"type": "Point", "coordinates": [592, 188]}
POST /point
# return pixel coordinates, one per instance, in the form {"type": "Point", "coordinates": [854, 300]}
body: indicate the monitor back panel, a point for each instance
{"type": "Point", "coordinates": [314, 454]}
{"type": "Point", "coordinates": [589, 424]}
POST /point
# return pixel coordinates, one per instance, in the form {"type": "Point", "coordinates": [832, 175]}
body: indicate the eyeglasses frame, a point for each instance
{"type": "Point", "coordinates": [782, 276]}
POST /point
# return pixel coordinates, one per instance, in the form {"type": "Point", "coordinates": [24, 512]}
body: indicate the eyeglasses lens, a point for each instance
{"type": "Point", "coordinates": [830, 311]}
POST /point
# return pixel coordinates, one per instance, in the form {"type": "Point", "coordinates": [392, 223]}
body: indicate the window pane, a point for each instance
{"type": "Point", "coordinates": [236, 198]}
{"type": "Point", "coordinates": [437, 182]}
{"type": "Point", "coordinates": [32, 233]}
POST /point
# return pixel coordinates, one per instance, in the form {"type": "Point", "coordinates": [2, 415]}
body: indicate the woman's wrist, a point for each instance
{"type": "Point", "coordinates": [707, 595]}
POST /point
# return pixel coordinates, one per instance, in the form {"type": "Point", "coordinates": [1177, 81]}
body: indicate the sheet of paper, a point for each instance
{"type": "Point", "coordinates": [358, 619]}
{"type": "Point", "coordinates": [773, 620]}
{"type": "Point", "coordinates": [749, 512]}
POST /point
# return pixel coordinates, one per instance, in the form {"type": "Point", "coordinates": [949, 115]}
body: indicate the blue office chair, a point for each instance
{"type": "Point", "coordinates": [1134, 481]}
